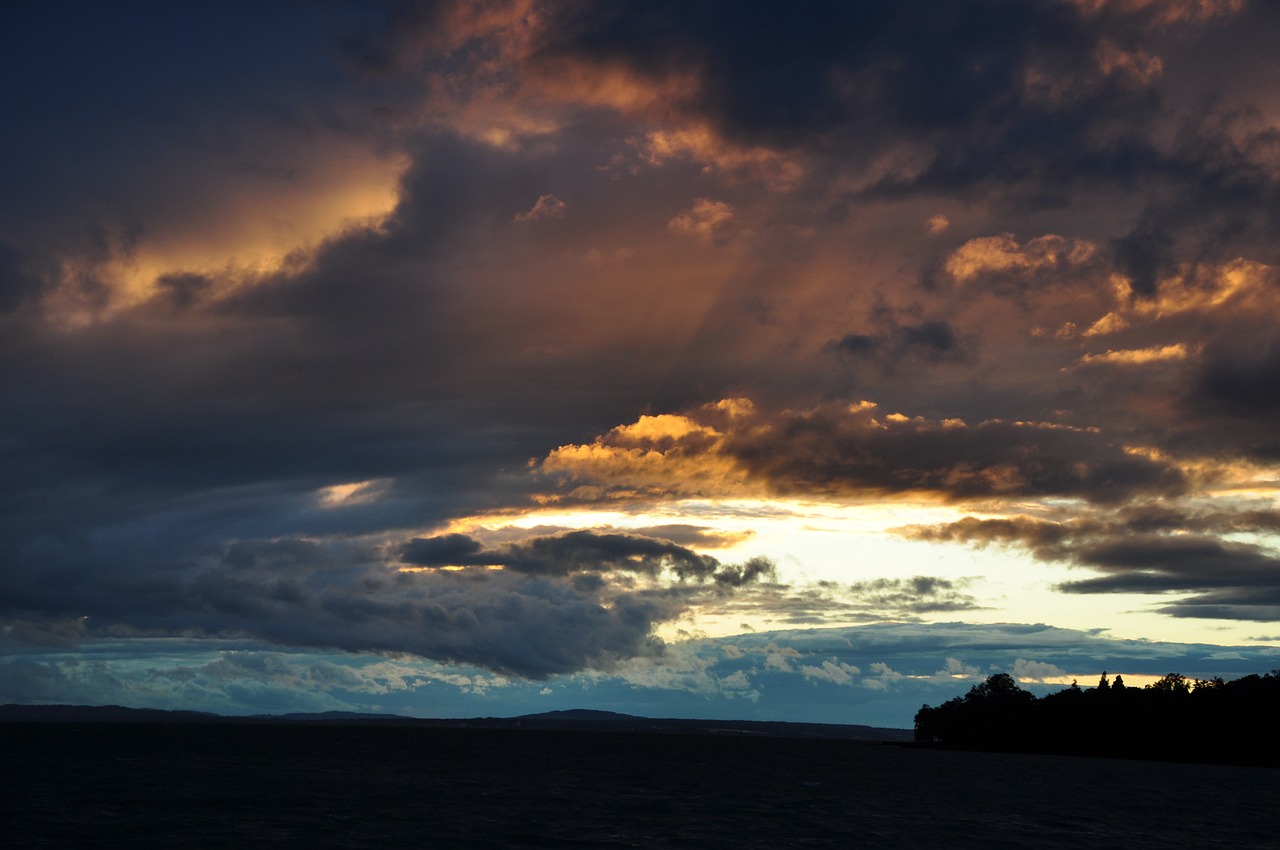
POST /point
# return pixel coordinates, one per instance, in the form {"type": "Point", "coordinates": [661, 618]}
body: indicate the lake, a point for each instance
{"type": "Point", "coordinates": [69, 785]}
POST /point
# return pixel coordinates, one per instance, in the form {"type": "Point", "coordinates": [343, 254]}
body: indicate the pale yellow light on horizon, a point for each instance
{"type": "Point", "coordinates": [814, 542]}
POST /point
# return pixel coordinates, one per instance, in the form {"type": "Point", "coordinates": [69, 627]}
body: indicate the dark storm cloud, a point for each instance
{"type": "Point", "coordinates": [1048, 536]}
{"type": "Point", "coordinates": [205, 446]}
{"type": "Point", "coordinates": [503, 621]}
{"type": "Point", "coordinates": [927, 342]}
{"type": "Point", "coordinates": [315, 377]}
{"type": "Point", "coordinates": [1029, 104]}
{"type": "Point", "coordinates": [838, 450]}
{"type": "Point", "coordinates": [17, 284]}
{"type": "Point", "coordinates": [1145, 255]}
{"type": "Point", "coordinates": [159, 472]}
{"type": "Point", "coordinates": [561, 554]}
{"type": "Point", "coordinates": [391, 34]}
{"type": "Point", "coordinates": [1181, 562]}
{"type": "Point", "coordinates": [830, 449]}
{"type": "Point", "coordinates": [1043, 537]}
{"type": "Point", "coordinates": [585, 552]}
{"type": "Point", "coordinates": [446, 550]}
{"type": "Point", "coordinates": [1148, 549]}
{"type": "Point", "coordinates": [797, 75]}
{"type": "Point", "coordinates": [803, 75]}
{"type": "Point", "coordinates": [182, 291]}
{"type": "Point", "coordinates": [1242, 385]}
{"type": "Point", "coordinates": [143, 118]}
{"type": "Point", "coordinates": [548, 612]}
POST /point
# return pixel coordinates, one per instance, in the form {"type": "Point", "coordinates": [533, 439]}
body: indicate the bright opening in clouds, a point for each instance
{"type": "Point", "coordinates": [711, 359]}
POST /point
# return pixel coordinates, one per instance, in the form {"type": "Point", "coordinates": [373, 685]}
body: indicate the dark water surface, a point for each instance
{"type": "Point", "coordinates": [73, 785]}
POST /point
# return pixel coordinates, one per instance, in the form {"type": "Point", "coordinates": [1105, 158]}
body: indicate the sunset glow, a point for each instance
{"type": "Point", "coordinates": [499, 357]}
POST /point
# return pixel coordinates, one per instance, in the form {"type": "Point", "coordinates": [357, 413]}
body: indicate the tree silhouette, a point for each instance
{"type": "Point", "coordinates": [1171, 683]}
{"type": "Point", "coordinates": [1173, 719]}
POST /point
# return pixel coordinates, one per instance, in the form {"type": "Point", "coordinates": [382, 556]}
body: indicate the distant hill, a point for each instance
{"type": "Point", "coordinates": [100, 714]}
{"type": "Point", "coordinates": [327, 716]}
{"type": "Point", "coordinates": [578, 719]}
{"type": "Point", "coordinates": [576, 714]}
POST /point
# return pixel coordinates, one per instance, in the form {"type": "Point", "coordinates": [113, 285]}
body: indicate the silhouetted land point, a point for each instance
{"type": "Point", "coordinates": [1174, 719]}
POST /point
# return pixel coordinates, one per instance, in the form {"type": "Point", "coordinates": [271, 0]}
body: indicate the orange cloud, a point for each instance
{"type": "Point", "coordinates": [1003, 253]}
{"type": "Point", "coordinates": [849, 452]}
{"type": "Point", "coordinates": [1240, 287]}
{"type": "Point", "coordinates": [1138, 356]}
{"type": "Point", "coordinates": [242, 228]}
{"type": "Point", "coordinates": [1165, 12]}
{"type": "Point", "coordinates": [504, 89]}
{"type": "Point", "coordinates": [698, 142]}
{"type": "Point", "coordinates": [656, 455]}
{"type": "Point", "coordinates": [704, 220]}
{"type": "Point", "coordinates": [547, 206]}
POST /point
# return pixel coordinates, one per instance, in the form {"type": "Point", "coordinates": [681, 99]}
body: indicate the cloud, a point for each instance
{"type": "Point", "coordinates": [831, 670]}
{"type": "Point", "coordinates": [704, 221]}
{"type": "Point", "coordinates": [198, 167]}
{"type": "Point", "coordinates": [1151, 550]}
{"type": "Point", "coordinates": [1036, 671]}
{"type": "Point", "coordinates": [874, 674]}
{"type": "Point", "coordinates": [290, 344]}
{"type": "Point", "coordinates": [825, 602]}
{"type": "Point", "coordinates": [1245, 387]}
{"type": "Point", "coordinates": [955, 667]}
{"type": "Point", "coordinates": [1138, 357]}
{"type": "Point", "coordinates": [1144, 255]}
{"type": "Point", "coordinates": [1163, 13]}
{"type": "Point", "coordinates": [576, 551]}
{"type": "Point", "coordinates": [992, 255]}
{"type": "Point", "coordinates": [534, 607]}
{"type": "Point", "coordinates": [17, 284]}
{"type": "Point", "coordinates": [884, 677]}
{"type": "Point", "coordinates": [927, 342]}
{"type": "Point", "coordinates": [547, 206]}
{"type": "Point", "coordinates": [838, 450]}
{"type": "Point", "coordinates": [916, 595]}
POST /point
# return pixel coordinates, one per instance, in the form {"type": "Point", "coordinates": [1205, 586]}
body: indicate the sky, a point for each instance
{"type": "Point", "coordinates": [804, 361]}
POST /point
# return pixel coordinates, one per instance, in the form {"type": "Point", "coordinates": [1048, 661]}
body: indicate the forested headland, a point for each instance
{"type": "Point", "coordinates": [1173, 719]}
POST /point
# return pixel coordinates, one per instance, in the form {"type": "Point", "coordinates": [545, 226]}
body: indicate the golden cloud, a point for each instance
{"type": "Point", "coordinates": [839, 452]}
{"type": "Point", "coordinates": [241, 231]}
{"type": "Point", "coordinates": [1138, 356]}
{"type": "Point", "coordinates": [1239, 287]}
{"type": "Point", "coordinates": [1003, 253]}
{"type": "Point", "coordinates": [704, 220]}
{"type": "Point", "coordinates": [656, 455]}
{"type": "Point", "coordinates": [696, 141]}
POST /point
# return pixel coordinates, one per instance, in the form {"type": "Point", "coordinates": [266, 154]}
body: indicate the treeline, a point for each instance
{"type": "Point", "coordinates": [1174, 719]}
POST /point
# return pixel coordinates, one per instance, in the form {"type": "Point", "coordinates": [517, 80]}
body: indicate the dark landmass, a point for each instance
{"type": "Point", "coordinates": [389, 786]}
{"type": "Point", "coordinates": [12, 713]}
{"type": "Point", "coordinates": [571, 720]}
{"type": "Point", "coordinates": [1174, 719]}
